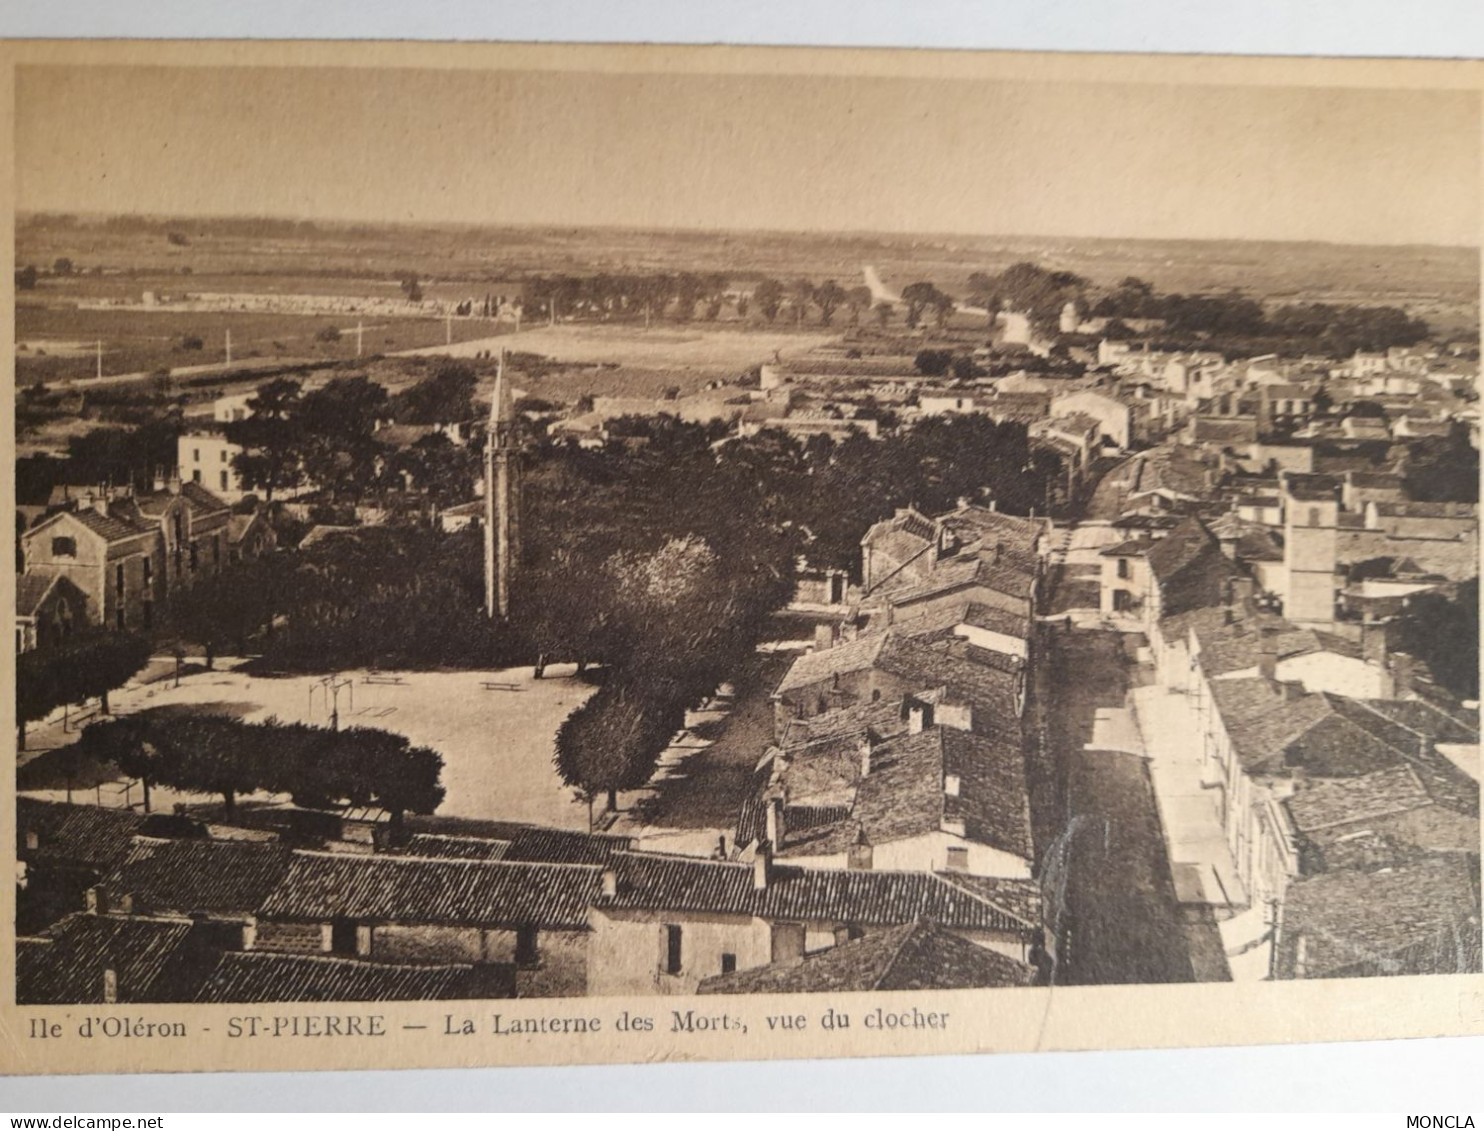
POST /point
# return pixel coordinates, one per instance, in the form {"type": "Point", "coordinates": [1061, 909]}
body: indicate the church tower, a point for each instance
{"type": "Point", "coordinates": [501, 500]}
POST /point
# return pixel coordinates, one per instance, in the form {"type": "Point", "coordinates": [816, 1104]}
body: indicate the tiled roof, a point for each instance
{"type": "Point", "coordinates": [74, 834]}
{"type": "Point", "coordinates": [457, 847]}
{"type": "Point", "coordinates": [1238, 700]}
{"type": "Point", "coordinates": [1420, 918]}
{"type": "Point", "coordinates": [882, 718]}
{"type": "Point", "coordinates": [1011, 574]}
{"type": "Point", "coordinates": [256, 976]}
{"type": "Point", "coordinates": [648, 881]}
{"type": "Point", "coordinates": [1133, 548]}
{"type": "Point", "coordinates": [69, 965]}
{"type": "Point", "coordinates": [914, 956]}
{"type": "Point", "coordinates": [200, 499]}
{"type": "Point", "coordinates": [990, 526]}
{"type": "Point", "coordinates": [1352, 800]}
{"type": "Point", "coordinates": [31, 590]}
{"type": "Point", "coordinates": [1230, 648]}
{"type": "Point", "coordinates": [415, 890]}
{"type": "Point", "coordinates": [843, 659]}
{"type": "Point", "coordinates": [972, 613]}
{"type": "Point", "coordinates": [114, 527]}
{"type": "Point", "coordinates": [1179, 549]}
{"type": "Point", "coordinates": [991, 692]}
{"type": "Point", "coordinates": [1426, 510]}
{"type": "Point", "coordinates": [529, 843]}
{"type": "Point", "coordinates": [190, 876]}
{"type": "Point", "coordinates": [1422, 717]}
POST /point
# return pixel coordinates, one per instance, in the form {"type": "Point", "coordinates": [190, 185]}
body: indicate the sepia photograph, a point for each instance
{"type": "Point", "coordinates": [634, 547]}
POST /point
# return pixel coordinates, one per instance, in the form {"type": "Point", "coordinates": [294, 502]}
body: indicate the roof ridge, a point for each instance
{"type": "Point", "coordinates": [908, 931]}
{"type": "Point", "coordinates": [399, 858]}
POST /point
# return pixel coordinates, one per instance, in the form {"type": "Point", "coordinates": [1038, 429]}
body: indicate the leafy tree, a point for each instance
{"type": "Point", "coordinates": [270, 438]}
{"type": "Point", "coordinates": [411, 288]}
{"type": "Point", "coordinates": [933, 363]}
{"type": "Point", "coordinates": [857, 301]}
{"type": "Point", "coordinates": [86, 668]}
{"type": "Point", "coordinates": [768, 295]}
{"type": "Point", "coordinates": [614, 740]}
{"type": "Point", "coordinates": [446, 396]}
{"type": "Point", "coordinates": [1444, 633]}
{"type": "Point", "coordinates": [1443, 470]}
{"type": "Point", "coordinates": [800, 295]}
{"type": "Point", "coordinates": [919, 297]}
{"type": "Point", "coordinates": [63, 266]}
{"type": "Point", "coordinates": [25, 278]}
{"type": "Point", "coordinates": [828, 298]}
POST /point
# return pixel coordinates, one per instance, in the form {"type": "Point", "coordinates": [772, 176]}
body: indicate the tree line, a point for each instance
{"type": "Point", "coordinates": [318, 767]}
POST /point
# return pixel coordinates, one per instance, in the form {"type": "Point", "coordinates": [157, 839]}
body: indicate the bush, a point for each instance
{"type": "Point", "coordinates": [328, 334]}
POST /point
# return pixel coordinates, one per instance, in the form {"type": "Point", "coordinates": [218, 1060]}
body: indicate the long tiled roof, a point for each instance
{"type": "Point", "coordinates": [1179, 549]}
{"type": "Point", "coordinates": [256, 976]}
{"type": "Point", "coordinates": [1420, 918]}
{"type": "Point", "coordinates": [914, 956]}
{"type": "Point", "coordinates": [69, 965]}
{"type": "Point", "coordinates": [843, 659]}
{"type": "Point", "coordinates": [1239, 645]}
{"type": "Point", "coordinates": [410, 889]}
{"type": "Point", "coordinates": [114, 526]}
{"type": "Point", "coordinates": [74, 834]}
{"type": "Point", "coordinates": [648, 881]}
{"type": "Point", "coordinates": [190, 876]}
{"type": "Point", "coordinates": [457, 847]}
{"type": "Point", "coordinates": [523, 842]}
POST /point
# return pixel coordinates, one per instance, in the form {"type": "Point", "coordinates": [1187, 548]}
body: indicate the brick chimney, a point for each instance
{"type": "Point", "coordinates": [776, 823]}
{"type": "Point", "coordinates": [610, 883]}
{"type": "Point", "coordinates": [863, 749]}
{"type": "Point", "coordinates": [762, 866]}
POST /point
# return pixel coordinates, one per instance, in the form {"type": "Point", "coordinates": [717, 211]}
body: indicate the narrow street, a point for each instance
{"type": "Point", "coordinates": [1111, 903]}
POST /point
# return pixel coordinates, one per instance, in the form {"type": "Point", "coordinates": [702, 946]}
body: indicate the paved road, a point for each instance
{"type": "Point", "coordinates": [1112, 901]}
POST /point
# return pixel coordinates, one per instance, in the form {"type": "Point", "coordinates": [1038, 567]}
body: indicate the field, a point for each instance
{"type": "Point", "coordinates": [701, 348]}
{"type": "Point", "coordinates": [141, 342]}
{"type": "Point", "coordinates": [1442, 279]}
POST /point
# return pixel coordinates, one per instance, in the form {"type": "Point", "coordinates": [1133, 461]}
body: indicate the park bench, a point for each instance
{"type": "Point", "coordinates": [499, 685]}
{"type": "Point", "coordinates": [383, 679]}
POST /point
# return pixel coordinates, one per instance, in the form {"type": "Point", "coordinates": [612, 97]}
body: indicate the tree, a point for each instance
{"type": "Point", "coordinates": [1443, 633]}
{"type": "Point", "coordinates": [919, 297]}
{"type": "Point", "coordinates": [270, 438]}
{"type": "Point", "coordinates": [86, 668]}
{"type": "Point", "coordinates": [768, 295]}
{"type": "Point", "coordinates": [63, 266]}
{"type": "Point", "coordinates": [25, 278]}
{"type": "Point", "coordinates": [857, 301]}
{"type": "Point", "coordinates": [614, 740]}
{"type": "Point", "coordinates": [411, 288]}
{"type": "Point", "coordinates": [932, 363]}
{"type": "Point", "coordinates": [444, 397]}
{"type": "Point", "coordinates": [800, 295]}
{"type": "Point", "coordinates": [828, 298]}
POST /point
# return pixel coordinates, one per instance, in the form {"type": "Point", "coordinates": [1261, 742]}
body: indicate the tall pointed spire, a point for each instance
{"type": "Point", "coordinates": [502, 498]}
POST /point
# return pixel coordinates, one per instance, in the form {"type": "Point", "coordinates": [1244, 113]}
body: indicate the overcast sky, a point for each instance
{"type": "Point", "coordinates": [815, 153]}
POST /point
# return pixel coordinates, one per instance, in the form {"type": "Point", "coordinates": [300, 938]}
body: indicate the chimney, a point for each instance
{"type": "Point", "coordinates": [951, 785]}
{"type": "Point", "coordinates": [610, 883]}
{"type": "Point", "coordinates": [1292, 689]}
{"type": "Point", "coordinates": [110, 986]}
{"type": "Point", "coordinates": [99, 503]}
{"type": "Point", "coordinates": [1267, 660]}
{"type": "Point", "coordinates": [963, 502]}
{"type": "Point", "coordinates": [1244, 593]}
{"type": "Point", "coordinates": [993, 506]}
{"type": "Point", "coordinates": [762, 865]}
{"type": "Point", "coordinates": [919, 717]}
{"type": "Point", "coordinates": [863, 748]}
{"type": "Point", "coordinates": [824, 637]}
{"type": "Point", "coordinates": [126, 904]}
{"type": "Point", "coordinates": [97, 900]}
{"type": "Point", "coordinates": [858, 855]}
{"type": "Point", "coordinates": [777, 825]}
{"type": "Point", "coordinates": [1374, 642]}
{"type": "Point", "coordinates": [1401, 671]}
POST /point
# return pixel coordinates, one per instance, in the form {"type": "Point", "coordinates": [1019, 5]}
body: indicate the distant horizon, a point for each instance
{"type": "Point", "coordinates": [812, 153]}
{"type": "Point", "coordinates": [820, 233]}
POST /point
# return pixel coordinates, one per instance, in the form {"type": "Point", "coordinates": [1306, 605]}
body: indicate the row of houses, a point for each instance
{"type": "Point", "coordinates": [534, 913]}
{"type": "Point", "coordinates": [1340, 784]}
{"type": "Point", "coordinates": [110, 558]}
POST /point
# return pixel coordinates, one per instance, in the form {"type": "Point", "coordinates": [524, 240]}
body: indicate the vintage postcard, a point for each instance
{"type": "Point", "coordinates": [568, 554]}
